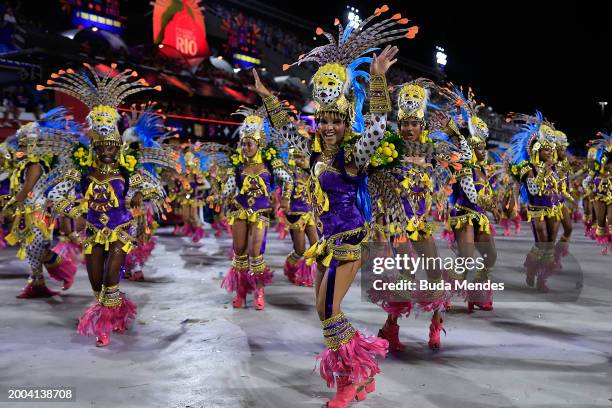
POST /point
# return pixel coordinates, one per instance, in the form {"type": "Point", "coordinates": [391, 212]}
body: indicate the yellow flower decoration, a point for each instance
{"type": "Point", "coordinates": [130, 162]}
{"type": "Point", "coordinates": [385, 153]}
{"type": "Point", "coordinates": [80, 152]}
{"type": "Point", "coordinates": [236, 159]}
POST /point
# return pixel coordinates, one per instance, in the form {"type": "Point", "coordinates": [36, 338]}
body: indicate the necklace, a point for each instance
{"type": "Point", "coordinates": [106, 169]}
{"type": "Point", "coordinates": [253, 160]}
{"type": "Point", "coordinates": [329, 153]}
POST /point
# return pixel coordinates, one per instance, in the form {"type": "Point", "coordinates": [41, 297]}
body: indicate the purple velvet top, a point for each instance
{"type": "Point", "coordinates": [343, 214]}
{"type": "Point", "coordinates": [261, 198]}
{"type": "Point", "coordinates": [116, 215]}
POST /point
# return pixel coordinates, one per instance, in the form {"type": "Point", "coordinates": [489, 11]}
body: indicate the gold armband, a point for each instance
{"type": "Point", "coordinates": [278, 115]}
{"type": "Point", "coordinates": [68, 208]}
{"type": "Point", "coordinates": [380, 102]}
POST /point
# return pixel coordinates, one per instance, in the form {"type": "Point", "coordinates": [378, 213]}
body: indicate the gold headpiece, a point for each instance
{"type": "Point", "coordinates": [253, 125]}
{"type": "Point", "coordinates": [412, 99]}
{"type": "Point", "coordinates": [561, 138]}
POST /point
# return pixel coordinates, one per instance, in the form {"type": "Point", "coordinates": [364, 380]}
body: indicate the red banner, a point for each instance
{"type": "Point", "coordinates": [179, 26]}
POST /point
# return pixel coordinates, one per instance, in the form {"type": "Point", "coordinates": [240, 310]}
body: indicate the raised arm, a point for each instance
{"type": "Point", "coordinates": [284, 127]}
{"type": "Point", "coordinates": [380, 105]}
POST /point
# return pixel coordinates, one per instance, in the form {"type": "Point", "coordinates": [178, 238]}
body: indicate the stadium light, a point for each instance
{"type": "Point", "coordinates": [353, 16]}
{"type": "Point", "coordinates": [441, 57]}
{"type": "Point", "coordinates": [603, 105]}
{"type": "Point", "coordinates": [94, 29]}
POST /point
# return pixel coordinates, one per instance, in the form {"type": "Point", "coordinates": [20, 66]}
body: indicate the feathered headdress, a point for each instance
{"type": "Point", "coordinates": [466, 112]}
{"type": "Point", "coordinates": [102, 94]}
{"type": "Point", "coordinates": [561, 138]}
{"type": "Point", "coordinates": [536, 133]}
{"type": "Point", "coordinates": [602, 149]}
{"type": "Point", "coordinates": [336, 88]}
{"type": "Point", "coordinates": [255, 124]}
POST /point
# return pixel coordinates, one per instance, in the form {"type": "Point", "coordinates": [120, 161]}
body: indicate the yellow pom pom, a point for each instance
{"type": "Point", "coordinates": [386, 151]}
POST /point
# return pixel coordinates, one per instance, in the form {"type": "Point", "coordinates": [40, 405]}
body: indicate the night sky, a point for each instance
{"type": "Point", "coordinates": [520, 58]}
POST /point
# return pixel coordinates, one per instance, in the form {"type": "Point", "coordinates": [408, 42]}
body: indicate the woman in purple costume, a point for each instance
{"type": "Point", "coordinates": [247, 190]}
{"type": "Point", "coordinates": [301, 222]}
{"type": "Point", "coordinates": [106, 176]}
{"type": "Point", "coordinates": [339, 156]}
{"type": "Point", "coordinates": [533, 164]}
{"type": "Point", "coordinates": [600, 180]}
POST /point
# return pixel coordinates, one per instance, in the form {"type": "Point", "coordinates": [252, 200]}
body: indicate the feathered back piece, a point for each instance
{"type": "Point", "coordinates": [102, 94]}
{"type": "Point", "coordinates": [466, 112]}
{"type": "Point", "coordinates": [150, 128]}
{"type": "Point", "coordinates": [336, 89]}
{"type": "Point", "coordinates": [54, 134]}
{"type": "Point", "coordinates": [149, 131]}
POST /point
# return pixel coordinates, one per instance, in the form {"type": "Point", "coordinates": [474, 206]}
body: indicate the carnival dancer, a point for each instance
{"type": "Point", "coordinates": [300, 221]}
{"type": "Point", "coordinates": [587, 186]}
{"type": "Point", "coordinates": [105, 172]}
{"type": "Point", "coordinates": [507, 199]}
{"type": "Point", "coordinates": [339, 156]}
{"type": "Point", "coordinates": [472, 194]}
{"type": "Point", "coordinates": [247, 191]}
{"type": "Point", "coordinates": [146, 130]}
{"type": "Point", "coordinates": [533, 164]}
{"type": "Point", "coordinates": [566, 198]}
{"type": "Point", "coordinates": [39, 150]}
{"type": "Point", "coordinates": [404, 164]}
{"type": "Point", "coordinates": [6, 169]}
{"type": "Point", "coordinates": [600, 180]}
{"type": "Point", "coordinates": [190, 195]}
{"type": "Point", "coordinates": [219, 224]}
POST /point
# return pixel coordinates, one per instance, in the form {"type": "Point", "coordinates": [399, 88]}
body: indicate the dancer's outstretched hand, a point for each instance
{"type": "Point", "coordinates": [439, 120]}
{"type": "Point", "coordinates": [381, 63]}
{"type": "Point", "coordinates": [259, 88]}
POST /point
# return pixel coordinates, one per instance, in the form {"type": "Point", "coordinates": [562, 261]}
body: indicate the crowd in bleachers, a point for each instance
{"type": "Point", "coordinates": [273, 36]}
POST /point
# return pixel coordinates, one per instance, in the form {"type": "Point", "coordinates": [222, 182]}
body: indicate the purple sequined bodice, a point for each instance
{"type": "Point", "coordinates": [103, 210]}
{"type": "Point", "coordinates": [255, 197]}
{"type": "Point", "coordinates": [343, 214]}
